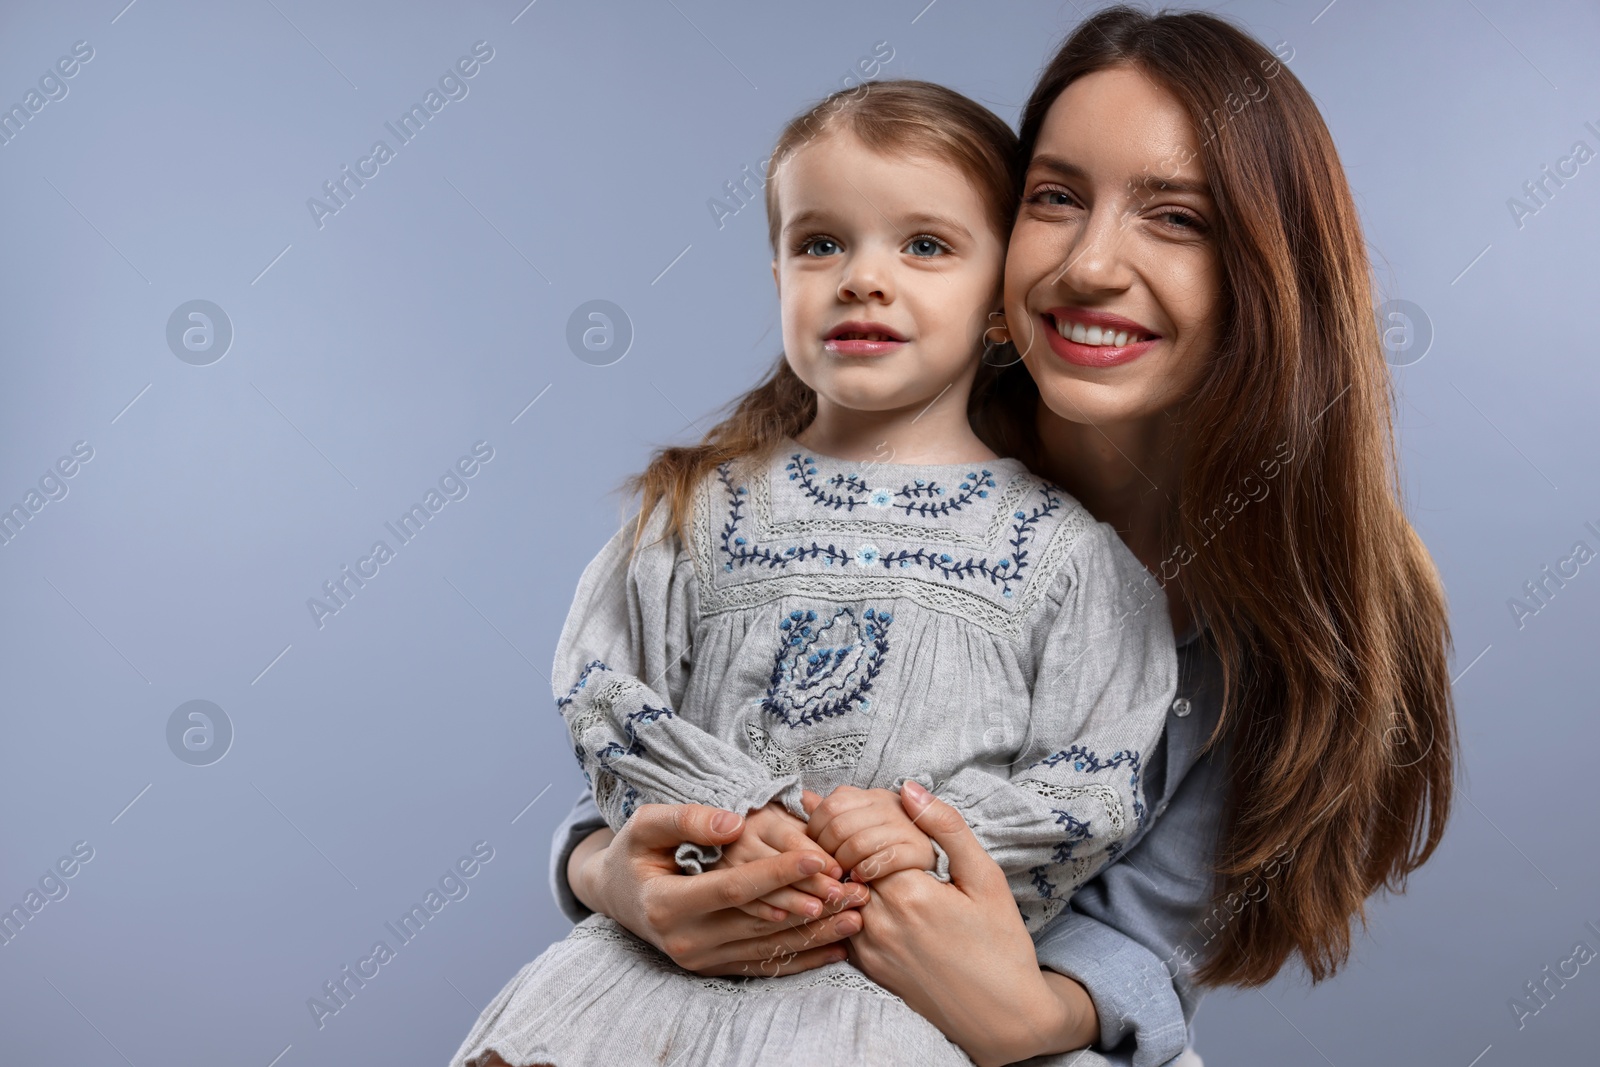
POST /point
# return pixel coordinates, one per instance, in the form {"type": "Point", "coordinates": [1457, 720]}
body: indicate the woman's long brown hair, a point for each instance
{"type": "Point", "coordinates": [903, 116]}
{"type": "Point", "coordinates": [1321, 601]}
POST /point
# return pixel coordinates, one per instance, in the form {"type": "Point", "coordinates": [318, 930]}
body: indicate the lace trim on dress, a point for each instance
{"type": "Point", "coordinates": [825, 754]}
{"type": "Point", "coordinates": [767, 528]}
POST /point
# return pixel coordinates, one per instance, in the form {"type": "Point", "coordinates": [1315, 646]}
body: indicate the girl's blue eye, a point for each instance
{"type": "Point", "coordinates": [925, 246]}
{"type": "Point", "coordinates": [820, 246]}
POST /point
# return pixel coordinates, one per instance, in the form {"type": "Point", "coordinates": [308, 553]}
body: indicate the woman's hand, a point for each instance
{"type": "Point", "coordinates": [768, 832]}
{"type": "Point", "coordinates": [695, 919]}
{"type": "Point", "coordinates": [959, 954]}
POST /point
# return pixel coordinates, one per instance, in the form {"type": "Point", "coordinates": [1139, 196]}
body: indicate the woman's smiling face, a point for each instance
{"type": "Point", "coordinates": [1115, 246]}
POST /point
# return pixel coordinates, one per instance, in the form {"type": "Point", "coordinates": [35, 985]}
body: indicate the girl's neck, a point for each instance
{"type": "Point", "coordinates": [932, 434]}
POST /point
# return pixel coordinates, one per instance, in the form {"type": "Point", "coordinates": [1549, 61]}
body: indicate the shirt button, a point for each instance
{"type": "Point", "coordinates": [1180, 707]}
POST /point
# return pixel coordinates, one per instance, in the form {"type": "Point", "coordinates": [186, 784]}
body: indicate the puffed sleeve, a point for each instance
{"type": "Point", "coordinates": [621, 668]}
{"type": "Point", "coordinates": [1135, 931]}
{"type": "Point", "coordinates": [1106, 673]}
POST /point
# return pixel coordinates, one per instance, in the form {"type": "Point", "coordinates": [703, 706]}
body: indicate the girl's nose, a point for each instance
{"type": "Point", "coordinates": [866, 277]}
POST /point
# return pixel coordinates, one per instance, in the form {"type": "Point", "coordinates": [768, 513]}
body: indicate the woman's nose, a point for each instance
{"type": "Point", "coordinates": [1097, 259]}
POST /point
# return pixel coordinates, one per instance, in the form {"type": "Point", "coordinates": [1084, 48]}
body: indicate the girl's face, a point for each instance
{"type": "Point", "coordinates": [887, 271]}
{"type": "Point", "coordinates": [1113, 285]}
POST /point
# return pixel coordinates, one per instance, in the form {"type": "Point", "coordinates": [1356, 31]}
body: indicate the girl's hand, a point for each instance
{"type": "Point", "coordinates": [773, 830]}
{"type": "Point", "coordinates": [959, 954]}
{"type": "Point", "coordinates": [695, 919]}
{"type": "Point", "coordinates": [868, 831]}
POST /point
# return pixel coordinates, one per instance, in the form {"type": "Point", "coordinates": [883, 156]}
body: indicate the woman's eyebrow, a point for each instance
{"type": "Point", "coordinates": [1173, 184]}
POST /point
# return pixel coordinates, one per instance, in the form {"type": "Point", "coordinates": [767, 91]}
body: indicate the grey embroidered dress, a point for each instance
{"type": "Point", "coordinates": [831, 623]}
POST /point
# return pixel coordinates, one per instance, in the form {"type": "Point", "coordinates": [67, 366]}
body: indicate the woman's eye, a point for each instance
{"type": "Point", "coordinates": [926, 246]}
{"type": "Point", "coordinates": [820, 246]}
{"type": "Point", "coordinates": [1183, 220]}
{"type": "Point", "coordinates": [1051, 198]}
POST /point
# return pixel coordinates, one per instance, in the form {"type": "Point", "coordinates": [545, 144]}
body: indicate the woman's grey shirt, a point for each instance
{"type": "Point", "coordinates": [1134, 932]}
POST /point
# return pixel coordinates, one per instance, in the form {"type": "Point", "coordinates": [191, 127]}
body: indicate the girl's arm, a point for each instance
{"type": "Point", "coordinates": [1133, 933]}
{"type": "Point", "coordinates": [620, 668]}
{"type": "Point", "coordinates": [1105, 681]}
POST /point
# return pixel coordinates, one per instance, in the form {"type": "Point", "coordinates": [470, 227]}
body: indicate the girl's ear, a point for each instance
{"type": "Point", "coordinates": [775, 284]}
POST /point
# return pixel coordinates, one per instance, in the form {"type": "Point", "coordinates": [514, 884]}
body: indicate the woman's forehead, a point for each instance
{"type": "Point", "coordinates": [1119, 125]}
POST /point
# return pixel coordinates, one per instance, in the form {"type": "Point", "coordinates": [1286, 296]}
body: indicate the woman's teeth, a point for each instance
{"type": "Point", "coordinates": [1094, 335]}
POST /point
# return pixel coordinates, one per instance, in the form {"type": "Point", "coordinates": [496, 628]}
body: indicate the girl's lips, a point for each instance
{"type": "Point", "coordinates": [1092, 355]}
{"type": "Point", "coordinates": [842, 347]}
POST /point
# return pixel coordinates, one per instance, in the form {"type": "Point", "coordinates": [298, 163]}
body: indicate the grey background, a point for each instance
{"type": "Point", "coordinates": [369, 354]}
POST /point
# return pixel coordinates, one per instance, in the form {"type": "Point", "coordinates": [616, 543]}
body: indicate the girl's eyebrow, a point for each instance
{"type": "Point", "coordinates": [1173, 184]}
{"type": "Point", "coordinates": [907, 224]}
{"type": "Point", "coordinates": [925, 220]}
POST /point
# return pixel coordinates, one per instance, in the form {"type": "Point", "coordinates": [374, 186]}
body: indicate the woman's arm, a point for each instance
{"type": "Point", "coordinates": [959, 955]}
{"type": "Point", "coordinates": [1129, 929]}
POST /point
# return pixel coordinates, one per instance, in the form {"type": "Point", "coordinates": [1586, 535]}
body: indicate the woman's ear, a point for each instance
{"type": "Point", "coordinates": [997, 333]}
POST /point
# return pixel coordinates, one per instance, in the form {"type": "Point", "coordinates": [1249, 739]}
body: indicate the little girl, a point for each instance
{"type": "Point", "coordinates": [842, 588]}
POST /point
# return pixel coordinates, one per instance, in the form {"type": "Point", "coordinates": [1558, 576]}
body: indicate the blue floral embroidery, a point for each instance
{"type": "Point", "coordinates": [572, 694]}
{"type": "Point", "coordinates": [738, 550]}
{"type": "Point", "coordinates": [1078, 831]}
{"type": "Point", "coordinates": [1003, 572]}
{"type": "Point", "coordinates": [583, 680]}
{"type": "Point", "coordinates": [827, 669]}
{"type": "Point", "coordinates": [1085, 761]}
{"type": "Point", "coordinates": [614, 749]}
{"type": "Point", "coordinates": [630, 801]}
{"type": "Point", "coordinates": [918, 497]}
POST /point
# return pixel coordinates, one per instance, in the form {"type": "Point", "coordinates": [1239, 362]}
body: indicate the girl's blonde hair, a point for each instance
{"type": "Point", "coordinates": [902, 115]}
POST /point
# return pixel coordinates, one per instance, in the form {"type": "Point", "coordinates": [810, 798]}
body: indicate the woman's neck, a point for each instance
{"type": "Point", "coordinates": [1126, 474]}
{"type": "Point", "coordinates": [933, 433]}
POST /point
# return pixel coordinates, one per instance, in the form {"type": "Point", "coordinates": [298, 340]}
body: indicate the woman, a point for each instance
{"type": "Point", "coordinates": [1180, 184]}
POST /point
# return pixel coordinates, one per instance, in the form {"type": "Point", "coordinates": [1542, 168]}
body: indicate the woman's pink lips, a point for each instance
{"type": "Point", "coordinates": [840, 346]}
{"type": "Point", "coordinates": [1092, 355]}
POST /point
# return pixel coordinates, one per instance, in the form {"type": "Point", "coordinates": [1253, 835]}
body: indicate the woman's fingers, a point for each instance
{"type": "Point", "coordinates": [665, 826]}
{"type": "Point", "coordinates": [801, 961]}
{"type": "Point", "coordinates": [765, 910]}
{"type": "Point", "coordinates": [833, 893]}
{"type": "Point", "coordinates": [970, 866]}
{"type": "Point", "coordinates": [799, 904]}
{"type": "Point", "coordinates": [730, 887]}
{"type": "Point", "coordinates": [897, 857]}
{"type": "Point", "coordinates": [770, 953]}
